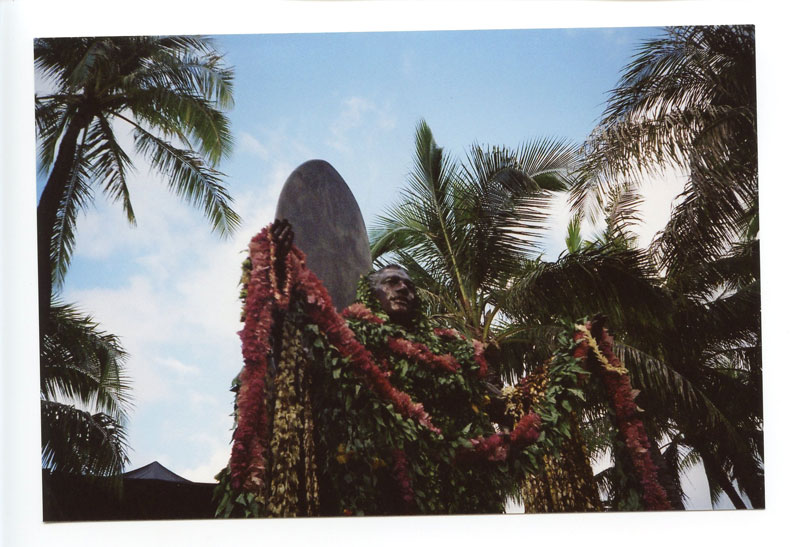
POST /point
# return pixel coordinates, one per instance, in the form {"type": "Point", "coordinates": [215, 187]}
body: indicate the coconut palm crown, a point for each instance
{"type": "Point", "coordinates": [167, 90]}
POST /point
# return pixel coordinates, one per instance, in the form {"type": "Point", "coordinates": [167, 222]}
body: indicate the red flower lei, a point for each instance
{"type": "Point", "coordinates": [264, 297]}
{"type": "Point", "coordinates": [418, 351]}
{"type": "Point", "coordinates": [250, 440]}
{"type": "Point", "coordinates": [618, 386]}
{"type": "Point", "coordinates": [480, 348]}
{"type": "Point", "coordinates": [448, 333]}
{"type": "Point", "coordinates": [402, 478]}
{"type": "Point", "coordinates": [421, 353]}
{"type": "Point", "coordinates": [360, 311]}
{"type": "Point", "coordinates": [495, 448]}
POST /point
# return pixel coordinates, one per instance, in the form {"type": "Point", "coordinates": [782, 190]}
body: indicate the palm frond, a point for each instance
{"type": "Point", "coordinates": [75, 441]}
{"type": "Point", "coordinates": [706, 223]}
{"type": "Point", "coordinates": [735, 270]}
{"type": "Point", "coordinates": [622, 215]}
{"type": "Point", "coordinates": [57, 58]}
{"type": "Point", "coordinates": [574, 238]}
{"type": "Point", "coordinates": [83, 363]}
{"type": "Point", "coordinates": [604, 278]}
{"type": "Point", "coordinates": [184, 114]}
{"type": "Point", "coordinates": [667, 392]}
{"type": "Point", "coordinates": [110, 163]}
{"type": "Point", "coordinates": [608, 485]}
{"type": "Point", "coordinates": [52, 117]}
{"type": "Point", "coordinates": [77, 195]}
{"type": "Point", "coordinates": [189, 178]}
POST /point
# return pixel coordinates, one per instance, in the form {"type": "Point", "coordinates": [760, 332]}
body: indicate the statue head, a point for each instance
{"type": "Point", "coordinates": [396, 293]}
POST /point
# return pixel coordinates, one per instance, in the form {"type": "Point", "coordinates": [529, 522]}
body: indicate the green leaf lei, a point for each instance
{"type": "Point", "coordinates": [343, 446]}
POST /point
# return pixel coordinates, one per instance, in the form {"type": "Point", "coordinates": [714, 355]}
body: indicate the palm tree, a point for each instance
{"type": "Point", "coordinates": [83, 366]}
{"type": "Point", "coordinates": [167, 91]}
{"type": "Point", "coordinates": [461, 230]}
{"type": "Point", "coordinates": [688, 99]}
{"type": "Point", "coordinates": [467, 235]}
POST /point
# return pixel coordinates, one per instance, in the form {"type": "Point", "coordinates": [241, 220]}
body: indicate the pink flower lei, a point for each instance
{"type": "Point", "coordinates": [402, 479]}
{"type": "Point", "coordinates": [250, 440]}
{"type": "Point", "coordinates": [495, 448]}
{"type": "Point", "coordinates": [264, 297]}
{"type": "Point", "coordinates": [618, 386]}
{"type": "Point", "coordinates": [361, 312]}
{"type": "Point", "coordinates": [421, 353]}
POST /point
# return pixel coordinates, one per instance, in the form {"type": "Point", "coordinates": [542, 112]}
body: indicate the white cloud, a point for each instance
{"type": "Point", "coordinates": [659, 193]}
{"type": "Point", "coordinates": [357, 112]}
{"type": "Point", "coordinates": [214, 452]}
{"type": "Point", "coordinates": [273, 144]}
{"type": "Point", "coordinates": [176, 366]}
{"type": "Point", "coordinates": [198, 398]}
{"type": "Point", "coordinates": [208, 468]}
{"type": "Point", "coordinates": [249, 143]}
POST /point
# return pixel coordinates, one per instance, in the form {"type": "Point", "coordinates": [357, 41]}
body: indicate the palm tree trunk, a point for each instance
{"type": "Point", "coordinates": [667, 480]}
{"type": "Point", "coordinates": [47, 213]}
{"type": "Point", "coordinates": [715, 472]}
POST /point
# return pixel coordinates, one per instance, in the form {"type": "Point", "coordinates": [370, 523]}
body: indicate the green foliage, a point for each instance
{"type": "Point", "coordinates": [168, 90]}
{"type": "Point", "coordinates": [688, 99]}
{"type": "Point", "coordinates": [84, 393]}
{"type": "Point", "coordinates": [358, 431]}
{"type": "Point", "coordinates": [565, 393]}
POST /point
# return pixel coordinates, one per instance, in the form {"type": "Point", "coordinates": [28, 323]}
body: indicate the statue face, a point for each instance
{"type": "Point", "coordinates": [396, 294]}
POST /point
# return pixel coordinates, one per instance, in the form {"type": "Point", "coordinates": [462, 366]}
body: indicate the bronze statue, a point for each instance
{"type": "Point", "coordinates": [373, 410]}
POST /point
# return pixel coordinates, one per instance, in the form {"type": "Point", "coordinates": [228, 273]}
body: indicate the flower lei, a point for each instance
{"type": "Point", "coordinates": [617, 382]}
{"type": "Point", "coordinates": [421, 353]}
{"type": "Point", "coordinates": [564, 482]}
{"type": "Point", "coordinates": [251, 439]}
{"type": "Point", "coordinates": [402, 478]}
{"type": "Point", "coordinates": [497, 447]}
{"type": "Point", "coordinates": [292, 433]}
{"type": "Point", "coordinates": [273, 441]}
{"type": "Point", "coordinates": [478, 347]}
{"type": "Point", "coordinates": [317, 303]}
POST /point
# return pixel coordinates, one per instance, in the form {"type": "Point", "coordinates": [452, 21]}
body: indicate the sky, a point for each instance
{"type": "Point", "coordinates": [168, 287]}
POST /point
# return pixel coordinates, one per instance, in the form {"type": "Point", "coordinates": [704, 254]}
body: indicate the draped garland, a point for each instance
{"type": "Point", "coordinates": [396, 428]}
{"type": "Point", "coordinates": [564, 482]}
{"type": "Point", "coordinates": [600, 357]}
{"type": "Point", "coordinates": [343, 414]}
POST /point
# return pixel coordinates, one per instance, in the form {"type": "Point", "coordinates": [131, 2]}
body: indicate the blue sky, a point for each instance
{"type": "Point", "coordinates": [168, 287]}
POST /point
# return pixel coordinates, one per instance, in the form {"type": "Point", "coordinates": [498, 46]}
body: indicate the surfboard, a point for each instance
{"type": "Point", "coordinates": [328, 227]}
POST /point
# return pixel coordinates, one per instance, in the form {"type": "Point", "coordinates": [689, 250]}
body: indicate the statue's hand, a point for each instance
{"type": "Point", "coordinates": [283, 236]}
